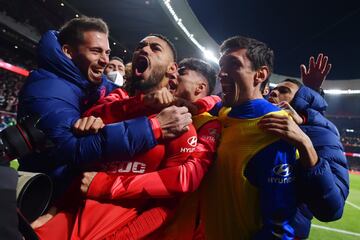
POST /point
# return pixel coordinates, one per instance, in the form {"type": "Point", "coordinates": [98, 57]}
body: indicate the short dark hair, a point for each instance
{"type": "Point", "coordinates": [258, 52]}
{"type": "Point", "coordinates": [170, 44]}
{"type": "Point", "coordinates": [118, 59]}
{"type": "Point", "coordinates": [72, 31]}
{"type": "Point", "coordinates": [292, 80]}
{"type": "Point", "coordinates": [201, 67]}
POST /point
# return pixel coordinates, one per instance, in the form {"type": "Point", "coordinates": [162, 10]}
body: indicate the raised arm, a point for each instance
{"type": "Point", "coordinates": [315, 74]}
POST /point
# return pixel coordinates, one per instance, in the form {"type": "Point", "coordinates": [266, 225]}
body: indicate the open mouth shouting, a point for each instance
{"type": "Point", "coordinates": [140, 65]}
{"type": "Point", "coordinates": [172, 86]}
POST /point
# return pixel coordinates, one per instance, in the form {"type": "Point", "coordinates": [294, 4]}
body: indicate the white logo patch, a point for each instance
{"type": "Point", "coordinates": [283, 170]}
{"type": "Point", "coordinates": [192, 141]}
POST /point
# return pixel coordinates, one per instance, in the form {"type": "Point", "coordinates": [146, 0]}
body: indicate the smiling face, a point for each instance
{"type": "Point", "coordinates": [91, 55]}
{"type": "Point", "coordinates": [152, 59]}
{"type": "Point", "coordinates": [284, 91]}
{"type": "Point", "coordinates": [236, 77]}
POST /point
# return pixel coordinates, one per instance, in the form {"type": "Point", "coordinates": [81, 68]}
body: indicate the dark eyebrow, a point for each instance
{"type": "Point", "coordinates": [152, 44]}
{"type": "Point", "coordinates": [229, 58]}
{"type": "Point", "coordinates": [99, 49]}
{"type": "Point", "coordinates": [156, 44]}
{"type": "Point", "coordinates": [282, 88]}
{"type": "Point", "coordinates": [142, 44]}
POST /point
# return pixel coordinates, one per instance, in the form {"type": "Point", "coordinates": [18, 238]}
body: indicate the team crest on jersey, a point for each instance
{"type": "Point", "coordinates": [212, 136]}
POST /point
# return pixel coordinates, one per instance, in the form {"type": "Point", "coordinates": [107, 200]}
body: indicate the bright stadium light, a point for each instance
{"type": "Point", "coordinates": [207, 53]}
{"type": "Point", "coordinates": [338, 91]}
{"type": "Point", "coordinates": [210, 55]}
{"type": "Point", "coordinates": [332, 91]}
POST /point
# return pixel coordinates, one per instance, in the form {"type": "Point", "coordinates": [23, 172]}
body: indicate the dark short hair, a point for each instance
{"type": "Point", "coordinates": [170, 44]}
{"type": "Point", "coordinates": [72, 31]}
{"type": "Point", "coordinates": [118, 59]}
{"type": "Point", "coordinates": [298, 83]}
{"type": "Point", "coordinates": [201, 67]}
{"type": "Point", "coordinates": [258, 52]}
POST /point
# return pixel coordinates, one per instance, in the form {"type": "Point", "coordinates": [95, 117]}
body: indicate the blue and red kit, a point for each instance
{"type": "Point", "coordinates": [136, 199]}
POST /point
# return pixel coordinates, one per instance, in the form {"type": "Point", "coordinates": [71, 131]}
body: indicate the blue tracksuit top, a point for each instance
{"type": "Point", "coordinates": [58, 93]}
{"type": "Point", "coordinates": [325, 187]}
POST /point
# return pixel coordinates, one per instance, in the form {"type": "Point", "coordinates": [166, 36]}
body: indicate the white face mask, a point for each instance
{"type": "Point", "coordinates": [116, 78]}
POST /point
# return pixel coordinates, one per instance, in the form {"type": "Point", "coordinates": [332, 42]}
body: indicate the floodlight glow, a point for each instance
{"type": "Point", "coordinates": [331, 91]}
{"type": "Point", "coordinates": [338, 91]}
{"type": "Point", "coordinates": [208, 54]}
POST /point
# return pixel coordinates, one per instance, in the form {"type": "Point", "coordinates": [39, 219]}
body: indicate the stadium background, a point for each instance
{"type": "Point", "coordinates": [23, 22]}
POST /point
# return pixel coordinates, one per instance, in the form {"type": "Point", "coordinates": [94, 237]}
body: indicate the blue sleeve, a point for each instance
{"type": "Point", "coordinates": [272, 172]}
{"type": "Point", "coordinates": [109, 86]}
{"type": "Point", "coordinates": [215, 110]}
{"type": "Point", "coordinates": [315, 118]}
{"type": "Point", "coordinates": [325, 186]}
{"type": "Point", "coordinates": [122, 139]}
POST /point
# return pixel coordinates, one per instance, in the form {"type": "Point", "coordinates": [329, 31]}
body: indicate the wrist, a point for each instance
{"type": "Point", "coordinates": [156, 128]}
{"type": "Point", "coordinates": [308, 155]}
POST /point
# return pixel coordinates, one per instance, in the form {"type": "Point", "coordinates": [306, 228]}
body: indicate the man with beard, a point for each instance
{"type": "Point", "coordinates": [69, 80]}
{"type": "Point", "coordinates": [250, 192]}
{"type": "Point", "coordinates": [120, 194]}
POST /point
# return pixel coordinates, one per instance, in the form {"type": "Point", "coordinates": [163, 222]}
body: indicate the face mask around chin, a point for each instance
{"type": "Point", "coordinates": [116, 78]}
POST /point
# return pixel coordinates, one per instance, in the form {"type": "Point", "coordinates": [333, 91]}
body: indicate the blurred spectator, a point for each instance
{"type": "Point", "coordinates": [10, 85]}
{"type": "Point", "coordinates": [115, 71]}
{"type": "Point", "coordinates": [115, 64]}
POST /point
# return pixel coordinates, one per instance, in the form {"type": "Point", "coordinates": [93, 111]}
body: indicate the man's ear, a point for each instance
{"type": "Point", "coordinates": [172, 68]}
{"type": "Point", "coordinates": [172, 71]}
{"type": "Point", "coordinates": [201, 87]}
{"type": "Point", "coordinates": [67, 50]}
{"type": "Point", "coordinates": [261, 75]}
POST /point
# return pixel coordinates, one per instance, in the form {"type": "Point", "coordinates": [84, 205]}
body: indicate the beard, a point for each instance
{"type": "Point", "coordinates": [154, 79]}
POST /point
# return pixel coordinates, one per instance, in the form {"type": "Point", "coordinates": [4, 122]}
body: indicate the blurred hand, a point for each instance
{"type": "Point", "coordinates": [88, 125]}
{"type": "Point", "coordinates": [174, 121]}
{"type": "Point", "coordinates": [159, 99]}
{"type": "Point", "coordinates": [315, 75]}
{"type": "Point", "coordinates": [44, 218]}
{"type": "Point", "coordinates": [86, 181]}
{"type": "Point", "coordinates": [288, 108]}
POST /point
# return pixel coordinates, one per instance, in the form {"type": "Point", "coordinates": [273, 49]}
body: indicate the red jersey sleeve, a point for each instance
{"type": "Point", "coordinates": [113, 108]}
{"type": "Point", "coordinates": [182, 171]}
{"type": "Point", "coordinates": [117, 94]}
{"type": "Point", "coordinates": [206, 103]}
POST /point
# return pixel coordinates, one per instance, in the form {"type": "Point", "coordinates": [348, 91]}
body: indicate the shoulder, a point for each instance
{"type": "Point", "coordinates": [44, 84]}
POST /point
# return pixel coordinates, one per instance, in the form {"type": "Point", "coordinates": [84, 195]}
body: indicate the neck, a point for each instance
{"type": "Point", "coordinates": [163, 83]}
{"type": "Point", "coordinates": [148, 90]}
{"type": "Point", "coordinates": [251, 95]}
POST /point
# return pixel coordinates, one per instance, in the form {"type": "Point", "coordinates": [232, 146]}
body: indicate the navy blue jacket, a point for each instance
{"type": "Point", "coordinates": [58, 93]}
{"type": "Point", "coordinates": [325, 187]}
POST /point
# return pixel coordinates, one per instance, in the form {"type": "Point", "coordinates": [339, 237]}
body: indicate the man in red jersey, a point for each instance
{"type": "Point", "coordinates": [119, 196]}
